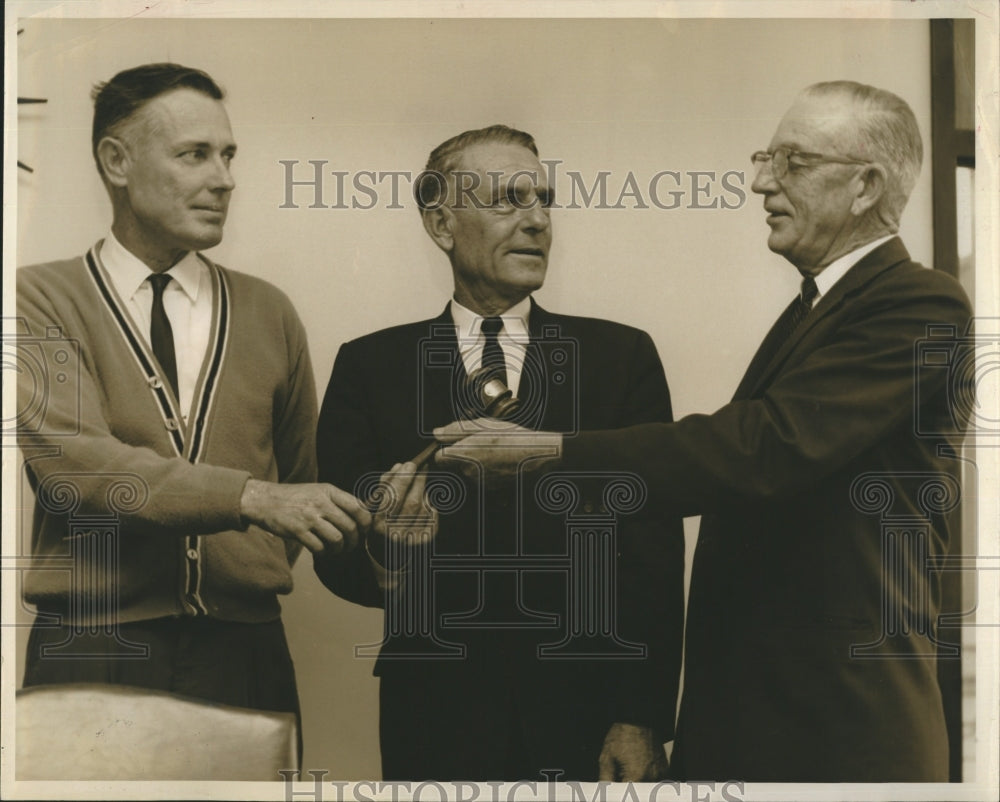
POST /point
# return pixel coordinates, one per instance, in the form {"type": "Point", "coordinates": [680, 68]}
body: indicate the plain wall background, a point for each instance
{"type": "Point", "coordinates": [614, 95]}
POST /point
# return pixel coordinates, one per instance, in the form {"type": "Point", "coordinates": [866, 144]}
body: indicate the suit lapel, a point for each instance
{"type": "Point", "coordinates": [756, 368]}
{"type": "Point", "coordinates": [442, 373]}
{"type": "Point", "coordinates": [548, 379]}
{"type": "Point", "coordinates": [885, 256]}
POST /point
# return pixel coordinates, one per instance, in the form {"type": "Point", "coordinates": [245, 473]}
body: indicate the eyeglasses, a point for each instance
{"type": "Point", "coordinates": [783, 158]}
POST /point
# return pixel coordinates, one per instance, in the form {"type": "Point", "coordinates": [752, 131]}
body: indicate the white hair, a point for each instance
{"type": "Point", "coordinates": [885, 132]}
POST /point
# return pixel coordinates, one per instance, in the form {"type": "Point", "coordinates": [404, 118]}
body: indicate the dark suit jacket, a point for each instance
{"type": "Point", "coordinates": [825, 487]}
{"type": "Point", "coordinates": [387, 391]}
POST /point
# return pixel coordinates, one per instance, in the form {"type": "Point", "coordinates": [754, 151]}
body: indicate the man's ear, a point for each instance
{"type": "Point", "coordinates": [874, 183]}
{"type": "Point", "coordinates": [114, 159]}
{"type": "Point", "coordinates": [439, 222]}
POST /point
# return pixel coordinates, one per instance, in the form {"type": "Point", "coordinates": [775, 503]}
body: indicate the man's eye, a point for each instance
{"type": "Point", "coordinates": [502, 203]}
{"type": "Point", "coordinates": [193, 155]}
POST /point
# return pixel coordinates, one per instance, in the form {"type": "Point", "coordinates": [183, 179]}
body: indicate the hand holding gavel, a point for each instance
{"type": "Point", "coordinates": [490, 398]}
{"type": "Point", "coordinates": [401, 518]}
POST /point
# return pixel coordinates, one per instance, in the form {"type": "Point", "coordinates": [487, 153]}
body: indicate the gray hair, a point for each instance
{"type": "Point", "coordinates": [432, 184]}
{"type": "Point", "coordinates": [885, 131]}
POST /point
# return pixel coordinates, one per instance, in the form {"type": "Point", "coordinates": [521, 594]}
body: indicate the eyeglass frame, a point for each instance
{"type": "Point", "coordinates": [767, 157]}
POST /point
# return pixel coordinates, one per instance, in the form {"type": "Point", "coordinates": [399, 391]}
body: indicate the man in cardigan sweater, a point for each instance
{"type": "Point", "coordinates": [169, 432]}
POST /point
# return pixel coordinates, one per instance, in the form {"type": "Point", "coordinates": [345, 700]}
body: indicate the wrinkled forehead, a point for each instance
{"type": "Point", "coordinates": [818, 124]}
{"type": "Point", "coordinates": [500, 165]}
{"type": "Point", "coordinates": [182, 114]}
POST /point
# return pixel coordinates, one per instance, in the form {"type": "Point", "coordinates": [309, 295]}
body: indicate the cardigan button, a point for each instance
{"type": "Point", "coordinates": [172, 425]}
{"type": "Point", "coordinates": [155, 382]}
{"type": "Point", "coordinates": [192, 554]}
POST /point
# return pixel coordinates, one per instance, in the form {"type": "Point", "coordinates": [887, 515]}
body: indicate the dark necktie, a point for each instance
{"type": "Point", "coordinates": [785, 326]}
{"type": "Point", "coordinates": [493, 358]}
{"type": "Point", "coordinates": [161, 336]}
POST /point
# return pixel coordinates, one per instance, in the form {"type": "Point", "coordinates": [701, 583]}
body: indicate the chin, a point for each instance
{"type": "Point", "coordinates": [521, 283]}
{"type": "Point", "coordinates": [775, 243]}
{"type": "Point", "coordinates": [203, 243]}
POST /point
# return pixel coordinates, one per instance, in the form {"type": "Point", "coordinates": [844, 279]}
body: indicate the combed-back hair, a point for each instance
{"type": "Point", "coordinates": [431, 186]}
{"type": "Point", "coordinates": [884, 131]}
{"type": "Point", "coordinates": [117, 100]}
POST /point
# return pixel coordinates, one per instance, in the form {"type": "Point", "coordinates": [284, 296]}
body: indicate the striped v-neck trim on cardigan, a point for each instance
{"type": "Point", "coordinates": [188, 440]}
{"type": "Point", "coordinates": [182, 546]}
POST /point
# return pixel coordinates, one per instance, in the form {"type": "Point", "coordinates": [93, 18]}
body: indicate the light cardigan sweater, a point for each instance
{"type": "Point", "coordinates": [137, 514]}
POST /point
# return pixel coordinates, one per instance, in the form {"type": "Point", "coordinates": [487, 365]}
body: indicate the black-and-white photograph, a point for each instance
{"type": "Point", "coordinates": [506, 402]}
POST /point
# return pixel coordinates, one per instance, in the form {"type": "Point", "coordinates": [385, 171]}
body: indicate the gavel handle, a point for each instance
{"type": "Point", "coordinates": [501, 405]}
{"type": "Point", "coordinates": [425, 455]}
{"type": "Point", "coordinates": [418, 461]}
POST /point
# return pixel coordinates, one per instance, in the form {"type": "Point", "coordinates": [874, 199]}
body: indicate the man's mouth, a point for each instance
{"type": "Point", "coordinates": [529, 252]}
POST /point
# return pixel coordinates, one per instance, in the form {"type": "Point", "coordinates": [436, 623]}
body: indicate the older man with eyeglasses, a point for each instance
{"type": "Point", "coordinates": [824, 487]}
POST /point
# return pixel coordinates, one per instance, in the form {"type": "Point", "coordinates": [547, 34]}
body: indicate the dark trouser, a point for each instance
{"type": "Point", "coordinates": [246, 665]}
{"type": "Point", "coordinates": [458, 721]}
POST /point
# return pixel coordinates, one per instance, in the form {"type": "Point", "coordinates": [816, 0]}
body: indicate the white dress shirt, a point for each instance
{"type": "Point", "coordinates": [187, 301]}
{"type": "Point", "coordinates": [513, 338]}
{"type": "Point", "coordinates": [836, 270]}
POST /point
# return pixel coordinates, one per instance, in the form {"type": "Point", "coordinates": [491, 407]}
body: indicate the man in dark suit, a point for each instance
{"type": "Point", "coordinates": [824, 486]}
{"type": "Point", "coordinates": [503, 658]}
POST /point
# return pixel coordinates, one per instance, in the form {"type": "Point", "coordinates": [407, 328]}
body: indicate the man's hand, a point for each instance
{"type": "Point", "coordinates": [495, 447]}
{"type": "Point", "coordinates": [632, 754]}
{"type": "Point", "coordinates": [403, 516]}
{"type": "Point", "coordinates": [319, 516]}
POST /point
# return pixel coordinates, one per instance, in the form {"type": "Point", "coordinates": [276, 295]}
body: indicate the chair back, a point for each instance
{"type": "Point", "coordinates": [118, 732]}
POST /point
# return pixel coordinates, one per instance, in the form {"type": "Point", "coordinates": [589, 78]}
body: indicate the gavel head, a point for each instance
{"type": "Point", "coordinates": [490, 395]}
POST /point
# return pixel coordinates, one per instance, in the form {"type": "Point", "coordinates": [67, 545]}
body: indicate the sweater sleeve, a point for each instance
{"type": "Point", "coordinates": [295, 421]}
{"type": "Point", "coordinates": [72, 453]}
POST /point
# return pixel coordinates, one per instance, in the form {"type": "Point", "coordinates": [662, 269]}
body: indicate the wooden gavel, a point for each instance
{"type": "Point", "coordinates": [492, 399]}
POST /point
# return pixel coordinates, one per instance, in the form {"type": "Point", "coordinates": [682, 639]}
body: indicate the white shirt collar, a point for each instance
{"type": "Point", "coordinates": [836, 270]}
{"type": "Point", "coordinates": [129, 272]}
{"type": "Point", "coordinates": [515, 321]}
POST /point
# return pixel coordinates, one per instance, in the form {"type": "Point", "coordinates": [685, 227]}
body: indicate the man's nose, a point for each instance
{"type": "Point", "coordinates": [222, 176]}
{"type": "Point", "coordinates": [536, 215]}
{"type": "Point", "coordinates": [763, 180]}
